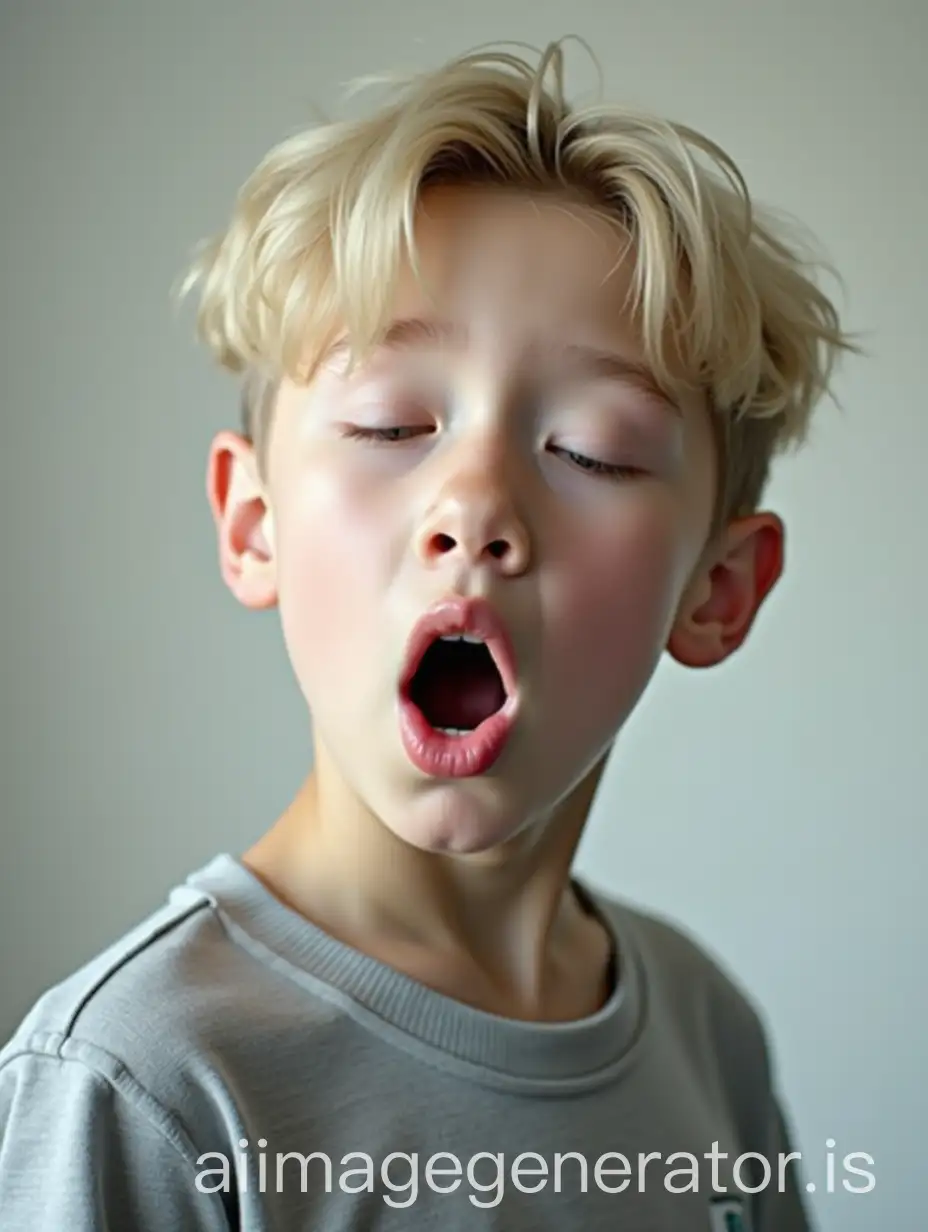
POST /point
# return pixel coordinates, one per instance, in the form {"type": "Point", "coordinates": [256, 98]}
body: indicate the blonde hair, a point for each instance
{"type": "Point", "coordinates": [722, 298]}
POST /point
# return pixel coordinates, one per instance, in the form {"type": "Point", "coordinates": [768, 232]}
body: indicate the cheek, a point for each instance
{"type": "Point", "coordinates": [331, 551]}
{"type": "Point", "coordinates": [610, 608]}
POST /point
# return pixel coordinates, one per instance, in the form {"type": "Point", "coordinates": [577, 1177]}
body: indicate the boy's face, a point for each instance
{"type": "Point", "coordinates": [500, 486]}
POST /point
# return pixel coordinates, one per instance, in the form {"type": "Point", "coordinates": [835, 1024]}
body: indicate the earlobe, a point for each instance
{"type": "Point", "coordinates": [244, 523]}
{"type": "Point", "coordinates": [727, 591]}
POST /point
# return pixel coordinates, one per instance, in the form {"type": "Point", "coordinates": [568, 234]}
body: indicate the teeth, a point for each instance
{"type": "Point", "coordinates": [453, 731]}
{"type": "Point", "coordinates": [462, 637]}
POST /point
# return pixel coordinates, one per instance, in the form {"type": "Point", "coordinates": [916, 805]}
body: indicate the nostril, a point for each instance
{"type": "Point", "coordinates": [441, 544]}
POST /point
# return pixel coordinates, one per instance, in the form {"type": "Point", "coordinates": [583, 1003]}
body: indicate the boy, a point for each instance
{"type": "Point", "coordinates": [514, 377]}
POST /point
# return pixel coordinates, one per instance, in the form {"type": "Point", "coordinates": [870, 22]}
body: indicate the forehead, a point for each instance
{"type": "Point", "coordinates": [513, 265]}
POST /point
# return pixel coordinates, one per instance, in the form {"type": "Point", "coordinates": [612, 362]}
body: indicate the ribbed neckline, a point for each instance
{"type": "Point", "coordinates": [482, 1046]}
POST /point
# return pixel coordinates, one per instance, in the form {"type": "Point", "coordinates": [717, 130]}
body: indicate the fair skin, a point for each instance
{"type": "Point", "coordinates": [495, 487]}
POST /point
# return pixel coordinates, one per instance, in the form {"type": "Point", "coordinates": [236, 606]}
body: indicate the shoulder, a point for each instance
{"type": "Point", "coordinates": [144, 1013]}
{"type": "Point", "coordinates": [94, 1122]}
{"type": "Point", "coordinates": [682, 971]}
{"type": "Point", "coordinates": [685, 970]}
{"type": "Point", "coordinates": [692, 996]}
{"type": "Point", "coordinates": [117, 969]}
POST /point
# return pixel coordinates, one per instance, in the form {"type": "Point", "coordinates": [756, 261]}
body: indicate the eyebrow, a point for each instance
{"type": "Point", "coordinates": [410, 333]}
{"type": "Point", "coordinates": [407, 333]}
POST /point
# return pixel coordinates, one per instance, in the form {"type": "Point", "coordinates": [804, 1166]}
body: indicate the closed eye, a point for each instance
{"type": "Point", "coordinates": [384, 436]}
{"type": "Point", "coordinates": [397, 435]}
{"type": "Point", "coordinates": [593, 466]}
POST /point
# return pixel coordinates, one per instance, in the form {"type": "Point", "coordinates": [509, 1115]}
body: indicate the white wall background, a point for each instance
{"type": "Point", "coordinates": [778, 805]}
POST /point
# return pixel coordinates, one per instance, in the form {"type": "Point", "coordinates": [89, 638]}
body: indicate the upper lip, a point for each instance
{"type": "Point", "coordinates": [456, 614]}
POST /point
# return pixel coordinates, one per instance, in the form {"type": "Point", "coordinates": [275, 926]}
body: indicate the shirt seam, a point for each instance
{"type": "Point", "coordinates": [54, 1046]}
{"type": "Point", "coordinates": [175, 918]}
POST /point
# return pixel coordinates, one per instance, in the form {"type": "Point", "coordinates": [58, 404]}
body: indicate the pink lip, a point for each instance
{"type": "Point", "coordinates": [434, 752]}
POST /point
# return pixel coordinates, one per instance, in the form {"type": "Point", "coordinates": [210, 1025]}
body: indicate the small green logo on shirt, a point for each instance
{"type": "Point", "coordinates": [727, 1215]}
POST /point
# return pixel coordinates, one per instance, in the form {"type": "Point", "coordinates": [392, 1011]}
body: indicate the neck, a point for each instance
{"type": "Point", "coordinates": [502, 930]}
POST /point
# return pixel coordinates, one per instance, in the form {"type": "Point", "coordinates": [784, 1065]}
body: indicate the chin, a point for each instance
{"type": "Point", "coordinates": [459, 818]}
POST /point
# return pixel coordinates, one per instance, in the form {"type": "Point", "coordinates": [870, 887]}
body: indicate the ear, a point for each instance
{"type": "Point", "coordinates": [244, 522]}
{"type": "Point", "coordinates": [734, 577]}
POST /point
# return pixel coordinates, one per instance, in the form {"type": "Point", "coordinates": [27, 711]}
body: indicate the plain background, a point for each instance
{"type": "Point", "coordinates": [776, 805]}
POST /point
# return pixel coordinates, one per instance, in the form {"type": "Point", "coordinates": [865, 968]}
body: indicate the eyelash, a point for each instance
{"type": "Point", "coordinates": [609, 470]}
{"type": "Point", "coordinates": [386, 436]}
{"type": "Point", "coordinates": [383, 436]}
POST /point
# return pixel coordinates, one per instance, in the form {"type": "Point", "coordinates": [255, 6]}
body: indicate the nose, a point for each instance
{"type": "Point", "coordinates": [473, 521]}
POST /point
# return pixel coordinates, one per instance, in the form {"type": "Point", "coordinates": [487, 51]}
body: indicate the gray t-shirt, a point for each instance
{"type": "Point", "coordinates": [228, 1065]}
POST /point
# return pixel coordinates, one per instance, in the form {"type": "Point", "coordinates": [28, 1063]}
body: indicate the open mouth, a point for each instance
{"type": "Point", "coordinates": [458, 692]}
{"type": "Point", "coordinates": [457, 685]}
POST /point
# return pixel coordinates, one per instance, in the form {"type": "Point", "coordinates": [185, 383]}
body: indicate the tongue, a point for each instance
{"type": "Point", "coordinates": [459, 691]}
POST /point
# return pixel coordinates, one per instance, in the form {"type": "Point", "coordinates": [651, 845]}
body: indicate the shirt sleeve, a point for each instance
{"type": "Point", "coordinates": [91, 1152]}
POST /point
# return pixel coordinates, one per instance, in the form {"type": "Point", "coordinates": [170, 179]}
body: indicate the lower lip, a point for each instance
{"type": "Point", "coordinates": [453, 757]}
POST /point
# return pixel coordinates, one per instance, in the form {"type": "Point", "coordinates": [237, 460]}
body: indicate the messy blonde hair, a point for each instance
{"type": "Point", "coordinates": [723, 300]}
